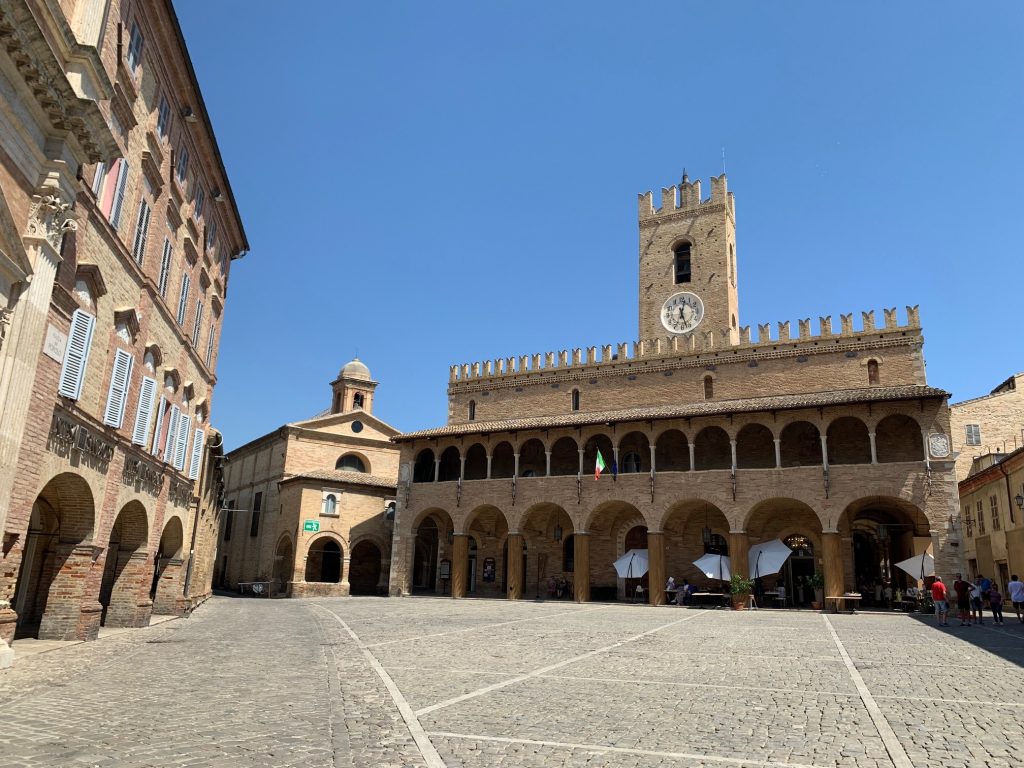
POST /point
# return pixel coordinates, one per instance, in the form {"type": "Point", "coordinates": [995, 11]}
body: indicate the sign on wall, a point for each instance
{"type": "Point", "coordinates": [311, 526]}
{"type": "Point", "coordinates": [56, 342]}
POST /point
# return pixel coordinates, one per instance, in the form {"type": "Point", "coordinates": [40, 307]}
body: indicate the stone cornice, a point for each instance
{"type": "Point", "coordinates": [688, 213]}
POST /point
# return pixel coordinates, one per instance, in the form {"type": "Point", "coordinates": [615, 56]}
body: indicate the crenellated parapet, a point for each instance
{"type": "Point", "coordinates": [702, 342]}
{"type": "Point", "coordinates": [685, 199]}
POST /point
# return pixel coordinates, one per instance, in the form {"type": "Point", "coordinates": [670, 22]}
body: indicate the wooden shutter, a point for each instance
{"type": "Point", "coordinates": [147, 394]}
{"type": "Point", "coordinates": [120, 377]}
{"type": "Point", "coordinates": [76, 355]}
{"type": "Point", "coordinates": [172, 434]}
{"type": "Point", "coordinates": [119, 188]}
{"type": "Point", "coordinates": [179, 450]}
{"type": "Point", "coordinates": [155, 450]}
{"type": "Point", "coordinates": [197, 454]}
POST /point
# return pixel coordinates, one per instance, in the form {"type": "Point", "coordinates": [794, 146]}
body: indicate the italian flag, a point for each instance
{"type": "Point", "coordinates": [600, 466]}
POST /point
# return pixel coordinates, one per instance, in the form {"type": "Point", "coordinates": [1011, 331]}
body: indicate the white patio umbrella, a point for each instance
{"type": "Point", "coordinates": [632, 565]}
{"type": "Point", "coordinates": [767, 558]}
{"type": "Point", "coordinates": [715, 566]}
{"type": "Point", "coordinates": [918, 566]}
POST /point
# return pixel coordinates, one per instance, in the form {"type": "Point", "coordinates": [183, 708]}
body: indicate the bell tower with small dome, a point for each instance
{"type": "Point", "coordinates": [353, 389]}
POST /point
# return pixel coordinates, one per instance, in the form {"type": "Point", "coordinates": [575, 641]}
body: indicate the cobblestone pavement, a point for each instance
{"type": "Point", "coordinates": [479, 684]}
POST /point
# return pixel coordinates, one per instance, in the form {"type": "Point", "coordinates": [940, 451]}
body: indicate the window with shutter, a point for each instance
{"type": "Point", "coordinates": [163, 118]}
{"type": "Point", "coordinates": [183, 299]}
{"type": "Point", "coordinates": [180, 448]}
{"type": "Point", "coordinates": [119, 190]}
{"type": "Point", "coordinates": [198, 324]}
{"type": "Point", "coordinates": [155, 448]}
{"type": "Point", "coordinates": [147, 394]}
{"type": "Point", "coordinates": [134, 56]}
{"type": "Point", "coordinates": [141, 232]}
{"type": "Point", "coordinates": [209, 345]}
{"type": "Point", "coordinates": [165, 268]}
{"type": "Point", "coordinates": [97, 180]}
{"type": "Point", "coordinates": [172, 434]}
{"type": "Point", "coordinates": [113, 414]}
{"type": "Point", "coordinates": [76, 354]}
{"type": "Point", "coordinates": [197, 454]}
{"type": "Point", "coordinates": [974, 434]}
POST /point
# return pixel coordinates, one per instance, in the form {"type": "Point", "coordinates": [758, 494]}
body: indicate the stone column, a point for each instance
{"type": "Point", "coordinates": [778, 453]}
{"type": "Point", "coordinates": [514, 566]}
{"type": "Point", "coordinates": [547, 456]}
{"type": "Point", "coordinates": [437, 469]}
{"type": "Point", "coordinates": [693, 460]}
{"type": "Point", "coordinates": [71, 614]}
{"type": "Point", "coordinates": [462, 467]}
{"type": "Point", "coordinates": [581, 462]}
{"type": "Point", "coordinates": [656, 567]}
{"type": "Point", "coordinates": [653, 467]}
{"type": "Point", "coordinates": [824, 451]}
{"type": "Point", "coordinates": [489, 457]}
{"type": "Point", "coordinates": [874, 451]}
{"type": "Point", "coordinates": [460, 562]}
{"type": "Point", "coordinates": [581, 564]}
{"type": "Point", "coordinates": [168, 589]}
{"type": "Point", "coordinates": [732, 448]}
{"type": "Point", "coordinates": [515, 465]}
{"type": "Point", "coordinates": [832, 559]}
{"type": "Point", "coordinates": [739, 548]}
{"type": "Point", "coordinates": [346, 567]}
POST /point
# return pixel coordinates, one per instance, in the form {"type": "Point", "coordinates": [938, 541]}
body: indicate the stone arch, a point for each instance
{"type": "Point", "coordinates": [848, 441]}
{"type": "Point", "coordinates": [898, 438]}
{"type": "Point", "coordinates": [755, 447]}
{"type": "Point", "coordinates": [691, 528]}
{"type": "Point", "coordinates": [450, 467]}
{"type": "Point", "coordinates": [593, 444]}
{"type": "Point", "coordinates": [800, 445]}
{"type": "Point", "coordinates": [532, 459]}
{"type": "Point", "coordinates": [284, 565]}
{"type": "Point", "coordinates": [634, 453]}
{"type": "Point", "coordinates": [365, 567]}
{"type": "Point", "coordinates": [672, 452]}
{"type": "Point", "coordinates": [167, 570]}
{"type": "Point", "coordinates": [126, 570]}
{"type": "Point", "coordinates": [488, 526]}
{"type": "Point", "coordinates": [50, 592]}
{"type": "Point", "coordinates": [430, 531]}
{"type": "Point", "coordinates": [353, 461]}
{"type": "Point", "coordinates": [172, 539]}
{"type": "Point", "coordinates": [882, 530]}
{"type": "Point", "coordinates": [476, 462]}
{"type": "Point", "coordinates": [544, 527]}
{"type": "Point", "coordinates": [324, 560]}
{"type": "Point", "coordinates": [712, 449]}
{"type": "Point", "coordinates": [503, 461]}
{"type": "Point", "coordinates": [565, 457]}
{"type": "Point", "coordinates": [423, 468]}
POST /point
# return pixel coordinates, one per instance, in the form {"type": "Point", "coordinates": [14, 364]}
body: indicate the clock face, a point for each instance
{"type": "Point", "coordinates": [682, 312]}
{"type": "Point", "coordinates": [938, 445]}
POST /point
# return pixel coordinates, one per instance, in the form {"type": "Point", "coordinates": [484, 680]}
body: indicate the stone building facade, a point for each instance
{"type": "Point", "coordinates": [991, 424]}
{"type": "Point", "coordinates": [309, 507]}
{"type": "Point", "coordinates": [992, 517]}
{"type": "Point", "coordinates": [131, 233]}
{"type": "Point", "coordinates": [714, 439]}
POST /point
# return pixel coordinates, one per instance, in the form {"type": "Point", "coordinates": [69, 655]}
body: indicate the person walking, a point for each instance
{"type": "Point", "coordinates": [995, 603]}
{"type": "Point", "coordinates": [963, 599]}
{"type": "Point", "coordinates": [941, 599]}
{"type": "Point", "coordinates": [976, 604]}
{"type": "Point", "coordinates": [1016, 590]}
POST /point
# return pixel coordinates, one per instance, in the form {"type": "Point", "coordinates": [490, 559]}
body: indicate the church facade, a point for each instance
{"type": "Point", "coordinates": [713, 438]}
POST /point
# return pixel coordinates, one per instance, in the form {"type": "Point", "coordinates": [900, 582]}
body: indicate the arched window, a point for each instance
{"type": "Point", "coordinates": [350, 463]}
{"type": "Point", "coordinates": [682, 260]}
{"type": "Point", "coordinates": [357, 400]}
{"type": "Point", "coordinates": [732, 264]}
{"type": "Point", "coordinates": [575, 399]}
{"type": "Point", "coordinates": [873, 378]}
{"type": "Point", "coordinates": [630, 463]}
{"type": "Point", "coordinates": [330, 504]}
{"type": "Point", "coordinates": [709, 388]}
{"type": "Point", "coordinates": [472, 410]}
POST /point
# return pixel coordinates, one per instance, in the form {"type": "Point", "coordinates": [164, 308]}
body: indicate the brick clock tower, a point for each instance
{"type": "Point", "coordinates": [688, 262]}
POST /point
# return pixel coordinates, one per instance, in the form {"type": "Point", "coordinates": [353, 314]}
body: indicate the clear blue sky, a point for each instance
{"type": "Point", "coordinates": [435, 183]}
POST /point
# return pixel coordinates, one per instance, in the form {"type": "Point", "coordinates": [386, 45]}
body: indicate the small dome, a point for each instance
{"type": "Point", "coordinates": [355, 370]}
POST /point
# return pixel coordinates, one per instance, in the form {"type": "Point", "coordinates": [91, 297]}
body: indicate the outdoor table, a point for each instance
{"type": "Point", "coordinates": [671, 594]}
{"type": "Point", "coordinates": [722, 598]}
{"type": "Point", "coordinates": [841, 600]}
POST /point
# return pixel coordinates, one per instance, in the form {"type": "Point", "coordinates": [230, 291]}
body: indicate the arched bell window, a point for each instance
{"type": "Point", "coordinates": [682, 263]}
{"type": "Point", "coordinates": [472, 410]}
{"type": "Point", "coordinates": [575, 399]}
{"type": "Point", "coordinates": [709, 388]}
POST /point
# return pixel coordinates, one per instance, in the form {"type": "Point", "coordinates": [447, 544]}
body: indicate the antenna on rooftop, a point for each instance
{"type": "Point", "coordinates": [723, 159]}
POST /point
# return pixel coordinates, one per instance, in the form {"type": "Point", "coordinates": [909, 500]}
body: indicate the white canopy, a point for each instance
{"type": "Point", "coordinates": [918, 566]}
{"type": "Point", "coordinates": [715, 566]}
{"type": "Point", "coordinates": [632, 565]}
{"type": "Point", "coordinates": [768, 557]}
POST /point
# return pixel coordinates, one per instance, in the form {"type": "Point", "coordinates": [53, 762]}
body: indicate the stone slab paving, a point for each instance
{"type": "Point", "coordinates": [481, 684]}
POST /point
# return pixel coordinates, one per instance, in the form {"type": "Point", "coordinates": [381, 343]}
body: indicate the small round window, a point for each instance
{"type": "Point", "coordinates": [357, 426]}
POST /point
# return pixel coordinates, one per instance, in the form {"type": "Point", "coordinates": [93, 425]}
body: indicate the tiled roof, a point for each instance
{"type": "Point", "coordinates": [708, 408]}
{"type": "Point", "coordinates": [343, 476]}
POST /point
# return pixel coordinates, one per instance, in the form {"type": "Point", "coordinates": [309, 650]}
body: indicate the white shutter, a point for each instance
{"type": "Point", "coordinates": [197, 455]}
{"type": "Point", "coordinates": [119, 188]}
{"type": "Point", "coordinates": [159, 425]}
{"type": "Point", "coordinates": [97, 182]}
{"type": "Point", "coordinates": [198, 324]}
{"type": "Point", "coordinates": [209, 344]}
{"type": "Point", "coordinates": [179, 452]}
{"type": "Point", "coordinates": [165, 268]}
{"type": "Point", "coordinates": [141, 232]}
{"type": "Point", "coordinates": [76, 354]}
{"type": "Point", "coordinates": [172, 434]}
{"type": "Point", "coordinates": [147, 394]}
{"type": "Point", "coordinates": [120, 377]}
{"type": "Point", "coordinates": [183, 299]}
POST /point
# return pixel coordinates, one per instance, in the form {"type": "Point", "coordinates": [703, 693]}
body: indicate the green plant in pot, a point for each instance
{"type": "Point", "coordinates": [816, 581]}
{"type": "Point", "coordinates": [741, 587]}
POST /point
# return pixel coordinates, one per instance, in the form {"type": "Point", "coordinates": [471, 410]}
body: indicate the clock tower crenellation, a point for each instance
{"type": "Point", "coordinates": [688, 272]}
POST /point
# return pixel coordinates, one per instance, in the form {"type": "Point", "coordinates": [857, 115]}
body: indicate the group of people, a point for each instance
{"type": "Point", "coordinates": [683, 592]}
{"type": "Point", "coordinates": [971, 597]}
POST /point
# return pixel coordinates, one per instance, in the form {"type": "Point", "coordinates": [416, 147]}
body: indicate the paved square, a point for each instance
{"type": "Point", "coordinates": [476, 684]}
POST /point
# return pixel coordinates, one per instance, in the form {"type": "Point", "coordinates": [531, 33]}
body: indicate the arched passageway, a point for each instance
{"type": "Point", "coordinates": [634, 453]}
{"type": "Point", "coordinates": [755, 447]}
{"type": "Point", "coordinates": [365, 569]}
{"type": "Point", "coordinates": [476, 462]}
{"type": "Point", "coordinates": [532, 459]}
{"type": "Point", "coordinates": [712, 449]}
{"type": "Point", "coordinates": [126, 572]}
{"type": "Point", "coordinates": [898, 438]}
{"type": "Point", "coordinates": [800, 445]}
{"type": "Point", "coordinates": [168, 573]}
{"type": "Point", "coordinates": [545, 528]}
{"type": "Point", "coordinates": [503, 460]}
{"type": "Point", "coordinates": [615, 527]}
{"type": "Point", "coordinates": [880, 532]}
{"type": "Point", "coordinates": [848, 441]}
{"type": "Point", "coordinates": [284, 566]}
{"type": "Point", "coordinates": [671, 452]}
{"type": "Point", "coordinates": [450, 466]}
{"type": "Point", "coordinates": [423, 467]}
{"type": "Point", "coordinates": [323, 561]}
{"type": "Point", "coordinates": [694, 528]}
{"type": "Point", "coordinates": [488, 528]}
{"type": "Point", "coordinates": [432, 537]}
{"type": "Point", "coordinates": [786, 519]}
{"type": "Point", "coordinates": [565, 457]}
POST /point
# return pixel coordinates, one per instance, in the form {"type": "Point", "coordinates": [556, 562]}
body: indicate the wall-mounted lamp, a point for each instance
{"type": "Point", "coordinates": [558, 532]}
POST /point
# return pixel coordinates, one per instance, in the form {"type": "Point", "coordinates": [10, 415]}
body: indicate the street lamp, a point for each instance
{"type": "Point", "coordinates": [558, 532]}
{"type": "Point", "coordinates": [1020, 501]}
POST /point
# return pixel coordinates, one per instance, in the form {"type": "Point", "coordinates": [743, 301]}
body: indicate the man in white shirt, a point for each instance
{"type": "Point", "coordinates": [1016, 590]}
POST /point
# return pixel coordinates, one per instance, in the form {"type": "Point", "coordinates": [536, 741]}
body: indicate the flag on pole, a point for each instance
{"type": "Point", "coordinates": [599, 466]}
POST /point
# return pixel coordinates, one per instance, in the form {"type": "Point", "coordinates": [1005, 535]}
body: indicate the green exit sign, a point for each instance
{"type": "Point", "coordinates": [313, 526]}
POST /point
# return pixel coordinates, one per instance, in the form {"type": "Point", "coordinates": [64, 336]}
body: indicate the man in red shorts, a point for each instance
{"type": "Point", "coordinates": [941, 599]}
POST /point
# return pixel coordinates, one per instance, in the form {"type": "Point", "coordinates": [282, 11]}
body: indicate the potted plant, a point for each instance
{"type": "Point", "coordinates": [816, 581]}
{"type": "Point", "coordinates": [741, 587]}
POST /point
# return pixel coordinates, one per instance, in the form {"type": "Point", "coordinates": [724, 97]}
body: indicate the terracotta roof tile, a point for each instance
{"type": "Point", "coordinates": [343, 476]}
{"type": "Point", "coordinates": [709, 408]}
